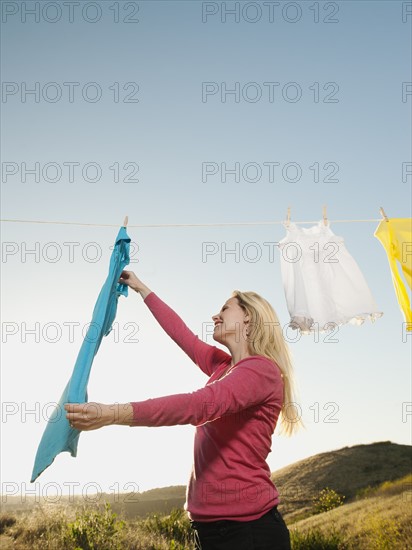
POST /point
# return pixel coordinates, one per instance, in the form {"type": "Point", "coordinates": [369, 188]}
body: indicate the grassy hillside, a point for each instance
{"type": "Point", "coordinates": [375, 483]}
{"type": "Point", "coordinates": [380, 519]}
{"type": "Point", "coordinates": [348, 471]}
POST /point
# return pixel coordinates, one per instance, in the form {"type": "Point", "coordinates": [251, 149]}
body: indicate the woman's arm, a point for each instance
{"type": "Point", "coordinates": [256, 380]}
{"type": "Point", "coordinates": [206, 356]}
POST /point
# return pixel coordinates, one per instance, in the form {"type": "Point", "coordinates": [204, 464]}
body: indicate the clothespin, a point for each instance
{"type": "Point", "coordinates": [288, 217]}
{"type": "Point", "coordinates": [126, 220]}
{"type": "Point", "coordinates": [382, 211]}
{"type": "Point", "coordinates": [325, 219]}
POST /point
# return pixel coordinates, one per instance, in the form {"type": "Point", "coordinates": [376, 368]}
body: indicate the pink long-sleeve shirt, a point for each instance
{"type": "Point", "coordinates": [234, 417]}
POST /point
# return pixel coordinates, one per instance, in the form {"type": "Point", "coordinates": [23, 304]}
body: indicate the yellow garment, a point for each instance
{"type": "Point", "coordinates": [396, 237]}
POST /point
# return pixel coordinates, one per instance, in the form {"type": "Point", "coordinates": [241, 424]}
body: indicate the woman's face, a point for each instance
{"type": "Point", "coordinates": [230, 321]}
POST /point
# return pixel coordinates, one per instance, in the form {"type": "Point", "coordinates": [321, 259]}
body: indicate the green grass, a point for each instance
{"type": "Point", "coordinates": [174, 527]}
{"type": "Point", "coordinates": [316, 539]}
{"type": "Point", "coordinates": [93, 528]}
{"type": "Point", "coordinates": [362, 508]}
{"type": "Point", "coordinates": [348, 471]}
{"type": "Point", "coordinates": [380, 521]}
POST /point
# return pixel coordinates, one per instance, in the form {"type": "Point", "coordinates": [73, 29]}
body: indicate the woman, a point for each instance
{"type": "Point", "coordinates": [231, 500]}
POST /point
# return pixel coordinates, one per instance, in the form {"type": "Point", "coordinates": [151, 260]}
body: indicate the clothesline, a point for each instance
{"type": "Point", "coordinates": [185, 224]}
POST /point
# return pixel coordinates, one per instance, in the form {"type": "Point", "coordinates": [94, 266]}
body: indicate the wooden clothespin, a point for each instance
{"type": "Point", "coordinates": [288, 217]}
{"type": "Point", "coordinates": [382, 211]}
{"type": "Point", "coordinates": [126, 220]}
{"type": "Point", "coordinates": [325, 219]}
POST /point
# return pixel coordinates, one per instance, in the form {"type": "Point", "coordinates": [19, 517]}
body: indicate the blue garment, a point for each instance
{"type": "Point", "coordinates": [58, 435]}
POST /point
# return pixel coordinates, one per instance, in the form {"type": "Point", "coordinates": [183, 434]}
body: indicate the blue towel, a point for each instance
{"type": "Point", "coordinates": [58, 435]}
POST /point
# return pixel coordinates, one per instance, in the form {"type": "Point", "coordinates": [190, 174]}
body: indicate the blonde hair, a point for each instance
{"type": "Point", "coordinates": [264, 336]}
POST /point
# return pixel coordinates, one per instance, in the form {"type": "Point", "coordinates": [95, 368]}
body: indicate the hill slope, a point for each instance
{"type": "Point", "coordinates": [345, 470]}
{"type": "Point", "coordinates": [382, 519]}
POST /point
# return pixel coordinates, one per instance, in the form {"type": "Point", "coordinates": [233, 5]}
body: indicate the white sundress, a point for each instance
{"type": "Point", "coordinates": [323, 284]}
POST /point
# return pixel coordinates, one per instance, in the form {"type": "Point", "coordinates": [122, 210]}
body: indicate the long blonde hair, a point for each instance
{"type": "Point", "coordinates": [265, 338]}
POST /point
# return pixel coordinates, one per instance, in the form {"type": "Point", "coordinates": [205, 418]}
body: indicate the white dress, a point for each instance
{"type": "Point", "coordinates": [323, 284]}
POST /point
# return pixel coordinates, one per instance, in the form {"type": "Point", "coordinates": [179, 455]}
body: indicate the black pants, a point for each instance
{"type": "Point", "coordinates": [266, 533]}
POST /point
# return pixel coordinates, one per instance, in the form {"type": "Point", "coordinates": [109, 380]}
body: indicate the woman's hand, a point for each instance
{"type": "Point", "coordinates": [89, 416]}
{"type": "Point", "coordinates": [129, 278]}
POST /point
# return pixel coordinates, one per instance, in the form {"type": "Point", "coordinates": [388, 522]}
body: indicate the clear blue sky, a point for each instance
{"type": "Point", "coordinates": [318, 96]}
